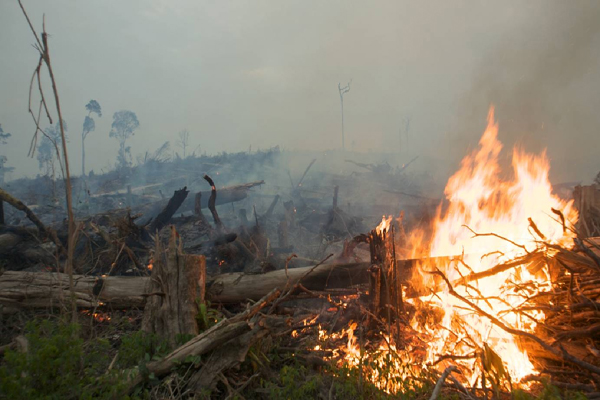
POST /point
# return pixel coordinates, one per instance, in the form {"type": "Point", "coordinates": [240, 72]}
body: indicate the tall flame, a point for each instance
{"type": "Point", "coordinates": [480, 199]}
{"type": "Point", "coordinates": [489, 220]}
{"type": "Point", "coordinates": [482, 202]}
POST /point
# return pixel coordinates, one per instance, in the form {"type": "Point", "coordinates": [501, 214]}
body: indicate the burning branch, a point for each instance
{"type": "Point", "coordinates": [440, 382]}
{"type": "Point", "coordinates": [516, 332]}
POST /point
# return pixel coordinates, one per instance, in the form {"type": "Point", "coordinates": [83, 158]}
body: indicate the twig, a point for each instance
{"type": "Point", "coordinates": [112, 363]}
{"type": "Point", "coordinates": [440, 382]}
{"type": "Point", "coordinates": [588, 252]}
{"type": "Point", "coordinates": [475, 234]}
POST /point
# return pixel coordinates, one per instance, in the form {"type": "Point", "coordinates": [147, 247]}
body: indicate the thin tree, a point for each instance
{"type": "Point", "coordinates": [343, 91]}
{"type": "Point", "coordinates": [4, 136]}
{"type": "Point", "coordinates": [89, 125]}
{"type": "Point", "coordinates": [48, 149]}
{"type": "Point", "coordinates": [184, 140]}
{"type": "Point", "coordinates": [406, 129]}
{"type": "Point", "coordinates": [124, 124]}
{"type": "Point", "coordinates": [41, 46]}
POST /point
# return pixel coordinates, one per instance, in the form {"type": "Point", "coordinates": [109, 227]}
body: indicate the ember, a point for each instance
{"type": "Point", "coordinates": [98, 316]}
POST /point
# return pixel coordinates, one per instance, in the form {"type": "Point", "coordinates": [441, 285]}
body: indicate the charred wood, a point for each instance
{"type": "Point", "coordinates": [6, 197]}
{"type": "Point", "coordinates": [212, 202]}
{"type": "Point", "coordinates": [171, 208]}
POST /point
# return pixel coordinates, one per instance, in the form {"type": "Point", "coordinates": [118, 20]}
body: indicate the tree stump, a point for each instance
{"type": "Point", "coordinates": [176, 284]}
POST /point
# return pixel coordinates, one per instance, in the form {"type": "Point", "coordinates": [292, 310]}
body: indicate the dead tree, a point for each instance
{"type": "Point", "coordinates": [343, 91]}
{"type": "Point", "coordinates": [42, 47]}
{"type": "Point", "coordinates": [176, 283]}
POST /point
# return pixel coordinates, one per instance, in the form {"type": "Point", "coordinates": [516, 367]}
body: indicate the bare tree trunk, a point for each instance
{"type": "Point", "coordinates": [42, 47]}
{"type": "Point", "coordinates": [82, 156]}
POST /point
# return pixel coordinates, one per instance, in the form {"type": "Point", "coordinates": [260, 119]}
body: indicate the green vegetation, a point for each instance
{"type": "Point", "coordinates": [60, 364]}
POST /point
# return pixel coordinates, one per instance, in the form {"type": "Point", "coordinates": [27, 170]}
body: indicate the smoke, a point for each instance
{"type": "Point", "coordinates": [544, 79]}
{"type": "Point", "coordinates": [261, 75]}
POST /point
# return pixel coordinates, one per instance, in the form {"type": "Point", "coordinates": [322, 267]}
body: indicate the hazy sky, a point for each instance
{"type": "Point", "coordinates": [265, 73]}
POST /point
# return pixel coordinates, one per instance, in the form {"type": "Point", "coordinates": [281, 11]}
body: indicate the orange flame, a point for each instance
{"type": "Point", "coordinates": [489, 220]}
{"type": "Point", "coordinates": [384, 225]}
{"type": "Point", "coordinates": [481, 202]}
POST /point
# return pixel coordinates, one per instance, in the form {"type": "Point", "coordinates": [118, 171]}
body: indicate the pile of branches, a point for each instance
{"type": "Point", "coordinates": [564, 346]}
{"type": "Point", "coordinates": [571, 328]}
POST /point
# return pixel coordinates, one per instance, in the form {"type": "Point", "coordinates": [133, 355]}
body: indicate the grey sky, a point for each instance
{"type": "Point", "coordinates": [265, 73]}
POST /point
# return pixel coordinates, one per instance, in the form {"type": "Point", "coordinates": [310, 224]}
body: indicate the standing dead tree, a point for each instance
{"type": "Point", "coordinates": [343, 91]}
{"type": "Point", "coordinates": [184, 141]}
{"type": "Point", "coordinates": [41, 46]}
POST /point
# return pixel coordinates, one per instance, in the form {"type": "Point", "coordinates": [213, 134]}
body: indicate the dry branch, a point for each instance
{"type": "Point", "coordinates": [18, 204]}
{"type": "Point", "coordinates": [209, 340]}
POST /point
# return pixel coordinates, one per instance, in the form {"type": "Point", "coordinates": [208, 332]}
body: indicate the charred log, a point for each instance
{"type": "Point", "coordinates": [171, 208]}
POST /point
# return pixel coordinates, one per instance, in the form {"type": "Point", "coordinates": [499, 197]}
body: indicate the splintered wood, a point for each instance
{"type": "Point", "coordinates": [176, 284]}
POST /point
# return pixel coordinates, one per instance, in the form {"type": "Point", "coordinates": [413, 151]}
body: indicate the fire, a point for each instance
{"type": "Point", "coordinates": [98, 316]}
{"type": "Point", "coordinates": [384, 225]}
{"type": "Point", "coordinates": [514, 210]}
{"type": "Point", "coordinates": [482, 200]}
{"type": "Point", "coordinates": [489, 220]}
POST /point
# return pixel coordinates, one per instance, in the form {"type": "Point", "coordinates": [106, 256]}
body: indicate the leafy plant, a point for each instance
{"type": "Point", "coordinates": [139, 347]}
{"type": "Point", "coordinates": [206, 316]}
{"type": "Point", "coordinates": [59, 365]}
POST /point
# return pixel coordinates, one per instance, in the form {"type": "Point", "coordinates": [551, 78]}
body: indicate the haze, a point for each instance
{"type": "Point", "coordinates": [265, 73]}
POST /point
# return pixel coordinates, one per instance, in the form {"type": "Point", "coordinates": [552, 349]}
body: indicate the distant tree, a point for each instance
{"type": "Point", "coordinates": [184, 140]}
{"type": "Point", "coordinates": [48, 152]}
{"type": "Point", "coordinates": [89, 125]}
{"type": "Point", "coordinates": [47, 148]}
{"type": "Point", "coordinates": [4, 136]}
{"type": "Point", "coordinates": [124, 124]}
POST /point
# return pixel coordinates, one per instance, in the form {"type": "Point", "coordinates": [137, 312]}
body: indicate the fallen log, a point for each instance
{"type": "Point", "coordinates": [229, 194]}
{"type": "Point", "coordinates": [237, 287]}
{"type": "Point", "coordinates": [43, 289]}
{"type": "Point", "coordinates": [20, 290]}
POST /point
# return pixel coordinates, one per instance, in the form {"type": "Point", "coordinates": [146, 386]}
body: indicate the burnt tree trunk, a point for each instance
{"type": "Point", "coordinates": [171, 208]}
{"type": "Point", "coordinates": [177, 281]}
{"type": "Point", "coordinates": [386, 274]}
